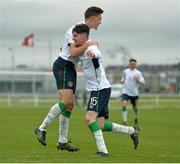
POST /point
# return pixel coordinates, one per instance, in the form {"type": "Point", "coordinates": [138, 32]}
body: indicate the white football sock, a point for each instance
{"type": "Point", "coordinates": [124, 115]}
{"type": "Point", "coordinates": [63, 128]}
{"type": "Point", "coordinates": [100, 141]}
{"type": "Point", "coordinates": [53, 112]}
{"type": "Point", "coordinates": [122, 129]}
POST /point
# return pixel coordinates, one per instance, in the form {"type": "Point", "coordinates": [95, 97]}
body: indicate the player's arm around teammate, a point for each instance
{"type": "Point", "coordinates": [65, 75]}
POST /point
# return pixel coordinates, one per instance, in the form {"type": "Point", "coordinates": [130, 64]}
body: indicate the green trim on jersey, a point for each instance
{"type": "Point", "coordinates": [94, 127]}
{"type": "Point", "coordinates": [97, 106]}
{"type": "Point", "coordinates": [107, 126]}
{"type": "Point", "coordinates": [62, 106]}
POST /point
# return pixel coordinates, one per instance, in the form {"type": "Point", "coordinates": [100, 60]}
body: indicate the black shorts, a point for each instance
{"type": "Point", "coordinates": [65, 74]}
{"type": "Point", "coordinates": [133, 99]}
{"type": "Point", "coordinates": [98, 102]}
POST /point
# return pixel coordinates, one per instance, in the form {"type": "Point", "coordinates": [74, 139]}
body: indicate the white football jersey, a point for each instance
{"type": "Point", "coordinates": [65, 52]}
{"type": "Point", "coordinates": [93, 69]}
{"type": "Point", "coordinates": [131, 86]}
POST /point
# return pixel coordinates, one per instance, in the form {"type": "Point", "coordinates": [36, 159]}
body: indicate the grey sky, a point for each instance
{"type": "Point", "coordinates": [149, 29]}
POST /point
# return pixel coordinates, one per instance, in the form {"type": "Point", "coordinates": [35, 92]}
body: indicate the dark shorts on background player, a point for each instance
{"type": "Point", "coordinates": [98, 102]}
{"type": "Point", "coordinates": [65, 74]}
{"type": "Point", "coordinates": [133, 99]}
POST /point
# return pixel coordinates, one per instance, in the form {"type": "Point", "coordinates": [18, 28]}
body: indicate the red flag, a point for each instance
{"type": "Point", "coordinates": [29, 40]}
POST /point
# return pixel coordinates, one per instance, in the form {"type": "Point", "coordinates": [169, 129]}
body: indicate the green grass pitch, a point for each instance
{"type": "Point", "coordinates": [159, 138]}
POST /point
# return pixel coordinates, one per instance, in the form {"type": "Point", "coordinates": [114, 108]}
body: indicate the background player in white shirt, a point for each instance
{"type": "Point", "coordinates": [100, 90]}
{"type": "Point", "coordinates": [65, 75]}
{"type": "Point", "coordinates": [131, 79]}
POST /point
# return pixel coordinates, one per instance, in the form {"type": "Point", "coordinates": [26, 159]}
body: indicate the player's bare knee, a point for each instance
{"type": "Point", "coordinates": [87, 119]}
{"type": "Point", "coordinates": [69, 106]}
{"type": "Point", "coordinates": [90, 117]}
{"type": "Point", "coordinates": [124, 103]}
{"type": "Point", "coordinates": [101, 124]}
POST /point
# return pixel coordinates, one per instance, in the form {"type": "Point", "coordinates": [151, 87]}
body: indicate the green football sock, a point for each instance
{"type": "Point", "coordinates": [107, 126]}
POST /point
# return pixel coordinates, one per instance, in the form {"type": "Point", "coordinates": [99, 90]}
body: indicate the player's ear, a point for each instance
{"type": "Point", "coordinates": [71, 45]}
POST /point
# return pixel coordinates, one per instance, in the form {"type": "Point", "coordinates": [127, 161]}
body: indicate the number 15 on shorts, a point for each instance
{"type": "Point", "coordinates": [93, 102]}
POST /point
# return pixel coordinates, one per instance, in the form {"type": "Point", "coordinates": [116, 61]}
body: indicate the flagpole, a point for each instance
{"type": "Point", "coordinates": [12, 58]}
{"type": "Point", "coordinates": [10, 49]}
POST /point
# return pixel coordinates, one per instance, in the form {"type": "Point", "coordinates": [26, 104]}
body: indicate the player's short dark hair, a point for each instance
{"type": "Point", "coordinates": [81, 28]}
{"type": "Point", "coordinates": [92, 11]}
{"type": "Point", "coordinates": [132, 60]}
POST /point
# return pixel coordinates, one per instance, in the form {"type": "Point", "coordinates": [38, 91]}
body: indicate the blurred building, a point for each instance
{"type": "Point", "coordinates": [159, 79]}
{"type": "Point", "coordinates": [31, 82]}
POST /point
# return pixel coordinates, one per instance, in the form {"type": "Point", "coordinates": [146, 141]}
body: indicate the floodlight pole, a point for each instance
{"type": "Point", "coordinates": [50, 53]}
{"type": "Point", "coordinates": [13, 68]}
{"type": "Point", "coordinates": [12, 58]}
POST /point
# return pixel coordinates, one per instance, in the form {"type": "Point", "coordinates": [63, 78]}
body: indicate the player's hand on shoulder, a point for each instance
{"type": "Point", "coordinates": [90, 53]}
